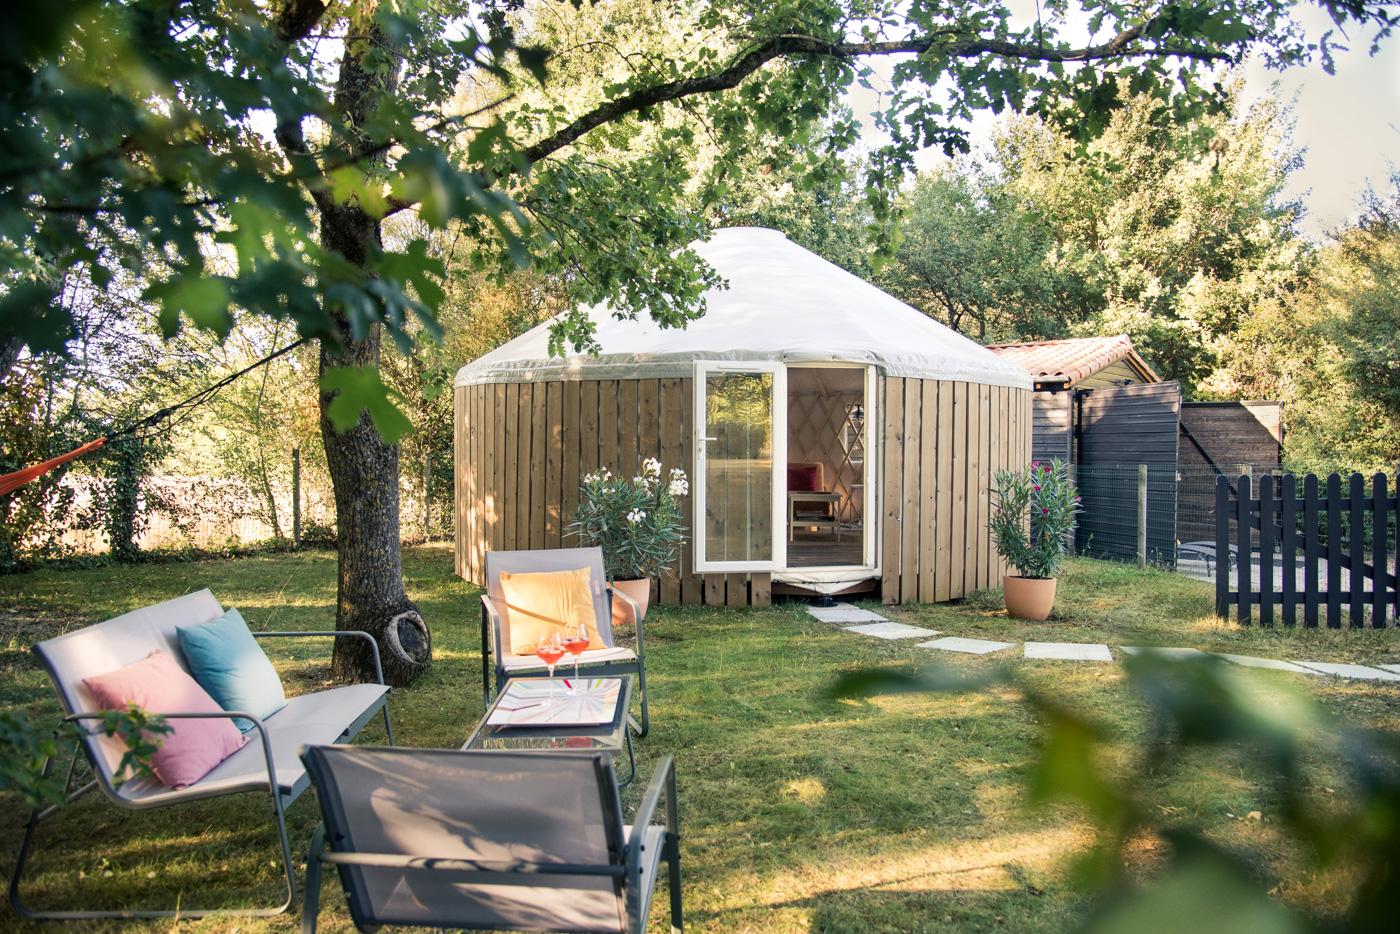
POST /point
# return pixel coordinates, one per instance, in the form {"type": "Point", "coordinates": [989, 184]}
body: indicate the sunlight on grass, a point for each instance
{"type": "Point", "coordinates": [800, 812]}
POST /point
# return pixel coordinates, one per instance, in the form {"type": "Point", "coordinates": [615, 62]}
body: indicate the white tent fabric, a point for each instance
{"type": "Point", "coordinates": [784, 303]}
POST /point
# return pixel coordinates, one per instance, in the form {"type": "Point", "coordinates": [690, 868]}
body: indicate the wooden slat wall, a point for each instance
{"type": "Point", "coordinates": [521, 450]}
{"type": "Point", "coordinates": [942, 442]}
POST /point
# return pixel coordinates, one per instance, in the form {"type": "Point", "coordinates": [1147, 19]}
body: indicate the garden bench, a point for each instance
{"type": "Point", "coordinates": [269, 762]}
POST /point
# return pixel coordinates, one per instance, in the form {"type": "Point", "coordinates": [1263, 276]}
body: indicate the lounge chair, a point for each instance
{"type": "Point", "coordinates": [523, 841]}
{"type": "Point", "coordinates": [268, 763]}
{"type": "Point", "coordinates": [495, 623]}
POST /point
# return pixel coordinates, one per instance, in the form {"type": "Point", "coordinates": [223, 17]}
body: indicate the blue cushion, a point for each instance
{"type": "Point", "coordinates": [227, 662]}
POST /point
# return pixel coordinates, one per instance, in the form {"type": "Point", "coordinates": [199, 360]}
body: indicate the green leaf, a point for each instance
{"type": "Point", "coordinates": [361, 389]}
{"type": "Point", "coordinates": [1204, 892]}
{"type": "Point", "coordinates": [203, 299]}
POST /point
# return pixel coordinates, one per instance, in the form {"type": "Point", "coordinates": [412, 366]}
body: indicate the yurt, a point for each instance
{"type": "Point", "coordinates": [837, 440]}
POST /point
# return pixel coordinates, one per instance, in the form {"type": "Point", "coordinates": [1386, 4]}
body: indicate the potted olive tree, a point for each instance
{"type": "Point", "coordinates": [1033, 516]}
{"type": "Point", "coordinates": [637, 523]}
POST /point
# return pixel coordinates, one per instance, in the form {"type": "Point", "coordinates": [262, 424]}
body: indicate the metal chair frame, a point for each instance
{"type": "Point", "coordinates": [637, 902]}
{"type": "Point", "coordinates": [491, 618]}
{"type": "Point", "coordinates": [280, 801]}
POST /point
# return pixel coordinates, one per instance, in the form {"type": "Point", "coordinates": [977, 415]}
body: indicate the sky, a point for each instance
{"type": "Point", "coordinates": [1348, 124]}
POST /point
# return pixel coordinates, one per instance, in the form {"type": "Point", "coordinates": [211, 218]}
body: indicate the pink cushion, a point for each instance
{"type": "Point", "coordinates": [158, 685]}
{"type": "Point", "coordinates": [805, 479]}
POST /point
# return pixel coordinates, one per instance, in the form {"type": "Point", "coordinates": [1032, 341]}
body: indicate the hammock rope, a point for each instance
{"type": "Point", "coordinates": [12, 481]}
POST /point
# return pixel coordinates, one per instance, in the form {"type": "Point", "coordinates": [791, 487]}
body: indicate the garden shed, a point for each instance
{"type": "Point", "coordinates": [837, 440]}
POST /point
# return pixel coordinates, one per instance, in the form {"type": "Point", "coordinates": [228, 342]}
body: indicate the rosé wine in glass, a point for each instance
{"type": "Point", "coordinates": [576, 643]}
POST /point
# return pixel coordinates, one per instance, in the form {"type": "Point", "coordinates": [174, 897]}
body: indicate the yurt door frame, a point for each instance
{"type": "Point", "coordinates": [740, 408]}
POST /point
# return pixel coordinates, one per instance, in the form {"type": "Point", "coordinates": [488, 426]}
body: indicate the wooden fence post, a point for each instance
{"type": "Point", "coordinates": [1142, 516]}
{"type": "Point", "coordinates": [1222, 547]}
{"type": "Point", "coordinates": [427, 492]}
{"type": "Point", "coordinates": [296, 497]}
{"type": "Point", "coordinates": [1244, 564]}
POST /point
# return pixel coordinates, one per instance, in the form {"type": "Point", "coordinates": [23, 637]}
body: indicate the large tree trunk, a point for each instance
{"type": "Point", "coordinates": [364, 470]}
{"type": "Point", "coordinates": [370, 595]}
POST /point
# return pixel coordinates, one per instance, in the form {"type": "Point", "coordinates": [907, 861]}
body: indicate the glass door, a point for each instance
{"type": "Point", "coordinates": [740, 449]}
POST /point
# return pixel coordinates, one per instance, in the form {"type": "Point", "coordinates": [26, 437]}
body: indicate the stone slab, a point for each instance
{"type": "Point", "coordinates": [888, 630]}
{"type": "Point", "coordinates": [1360, 672]}
{"type": "Point", "coordinates": [1161, 651]}
{"type": "Point", "coordinates": [1394, 668]}
{"type": "Point", "coordinates": [1249, 661]}
{"type": "Point", "coordinates": [845, 613]}
{"type": "Point", "coordinates": [971, 646]}
{"type": "Point", "coordinates": [1069, 651]}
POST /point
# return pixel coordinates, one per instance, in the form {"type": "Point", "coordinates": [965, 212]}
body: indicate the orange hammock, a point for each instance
{"type": "Point", "coordinates": [13, 481]}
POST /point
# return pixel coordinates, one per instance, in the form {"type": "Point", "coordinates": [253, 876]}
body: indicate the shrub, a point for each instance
{"type": "Point", "coordinates": [637, 523]}
{"type": "Point", "coordinates": [1033, 516]}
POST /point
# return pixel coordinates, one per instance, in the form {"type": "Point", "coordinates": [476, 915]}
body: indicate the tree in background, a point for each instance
{"type": "Point", "coordinates": [975, 259]}
{"type": "Point", "coordinates": [1331, 351]}
{"type": "Point", "coordinates": [1173, 233]}
{"type": "Point", "coordinates": [134, 128]}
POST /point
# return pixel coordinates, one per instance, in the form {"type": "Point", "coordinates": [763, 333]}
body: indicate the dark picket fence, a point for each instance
{"type": "Point", "coordinates": [1289, 550]}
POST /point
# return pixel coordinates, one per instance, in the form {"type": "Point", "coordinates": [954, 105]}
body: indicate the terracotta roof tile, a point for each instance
{"type": "Point", "coordinates": [1076, 358]}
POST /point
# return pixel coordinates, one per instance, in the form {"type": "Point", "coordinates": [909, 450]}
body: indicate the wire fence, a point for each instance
{"type": "Point", "coordinates": [1180, 514]}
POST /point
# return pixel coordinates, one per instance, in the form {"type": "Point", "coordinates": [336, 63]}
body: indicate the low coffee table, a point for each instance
{"type": "Point", "coordinates": [610, 737]}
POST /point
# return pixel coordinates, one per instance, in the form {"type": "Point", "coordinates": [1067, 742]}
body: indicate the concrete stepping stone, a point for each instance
{"type": "Point", "coordinates": [1162, 652]}
{"type": "Point", "coordinates": [1360, 672]}
{"type": "Point", "coordinates": [971, 646]}
{"type": "Point", "coordinates": [1069, 651]}
{"type": "Point", "coordinates": [1394, 668]}
{"type": "Point", "coordinates": [845, 613]}
{"type": "Point", "coordinates": [1249, 661]}
{"type": "Point", "coordinates": [889, 630]}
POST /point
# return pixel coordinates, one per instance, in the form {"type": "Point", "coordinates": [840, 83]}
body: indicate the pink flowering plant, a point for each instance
{"type": "Point", "coordinates": [1033, 514]}
{"type": "Point", "coordinates": [637, 522]}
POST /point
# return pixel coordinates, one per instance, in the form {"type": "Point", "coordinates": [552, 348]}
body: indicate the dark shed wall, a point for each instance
{"type": "Point", "coordinates": [1053, 432]}
{"type": "Point", "coordinates": [1231, 434]}
{"type": "Point", "coordinates": [1121, 428]}
{"type": "Point", "coordinates": [1130, 424]}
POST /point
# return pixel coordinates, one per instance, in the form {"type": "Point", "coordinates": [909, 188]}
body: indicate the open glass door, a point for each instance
{"type": "Point", "coordinates": [740, 447]}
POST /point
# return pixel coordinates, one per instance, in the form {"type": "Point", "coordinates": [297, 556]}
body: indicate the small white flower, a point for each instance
{"type": "Point", "coordinates": [636, 515]}
{"type": "Point", "coordinates": [636, 479]}
{"type": "Point", "coordinates": [679, 487]}
{"type": "Point", "coordinates": [677, 473]}
{"type": "Point", "coordinates": [652, 467]}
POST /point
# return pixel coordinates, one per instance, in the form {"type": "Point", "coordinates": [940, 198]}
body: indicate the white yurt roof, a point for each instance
{"type": "Point", "coordinates": [784, 303]}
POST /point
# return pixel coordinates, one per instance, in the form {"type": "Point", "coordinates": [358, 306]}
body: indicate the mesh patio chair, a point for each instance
{"type": "Point", "coordinates": [495, 623]}
{"type": "Point", "coordinates": [488, 840]}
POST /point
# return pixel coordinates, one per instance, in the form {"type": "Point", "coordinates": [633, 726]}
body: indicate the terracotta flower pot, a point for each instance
{"type": "Point", "coordinates": [639, 590]}
{"type": "Point", "coordinates": [1028, 597]}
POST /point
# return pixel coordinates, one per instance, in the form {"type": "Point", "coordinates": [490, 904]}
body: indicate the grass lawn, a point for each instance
{"type": "Point", "coordinates": [799, 812]}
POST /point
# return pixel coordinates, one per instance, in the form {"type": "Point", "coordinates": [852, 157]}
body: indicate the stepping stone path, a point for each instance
{"type": "Point", "coordinates": [871, 623]}
{"type": "Point", "coordinates": [888, 630]}
{"type": "Point", "coordinates": [845, 613]}
{"type": "Point", "coordinates": [970, 646]}
{"type": "Point", "coordinates": [1069, 651]}
{"type": "Point", "coordinates": [1162, 652]}
{"type": "Point", "coordinates": [1249, 661]}
{"type": "Point", "coordinates": [1350, 671]}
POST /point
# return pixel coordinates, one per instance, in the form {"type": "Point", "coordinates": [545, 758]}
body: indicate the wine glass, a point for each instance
{"type": "Point", "coordinates": [550, 648]}
{"type": "Point", "coordinates": [576, 642]}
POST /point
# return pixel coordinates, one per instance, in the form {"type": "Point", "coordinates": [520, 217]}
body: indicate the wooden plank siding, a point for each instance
{"type": "Point", "coordinates": [928, 488]}
{"type": "Point", "coordinates": [692, 584]}
{"type": "Point", "coordinates": [570, 474]}
{"type": "Point", "coordinates": [521, 450]}
{"type": "Point", "coordinates": [943, 514]}
{"type": "Point", "coordinates": [669, 444]}
{"type": "Point", "coordinates": [912, 498]}
{"type": "Point", "coordinates": [892, 463]}
{"type": "Point", "coordinates": [539, 466]}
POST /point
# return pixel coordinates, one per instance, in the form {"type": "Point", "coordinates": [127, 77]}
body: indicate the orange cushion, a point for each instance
{"type": "Point", "coordinates": [545, 602]}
